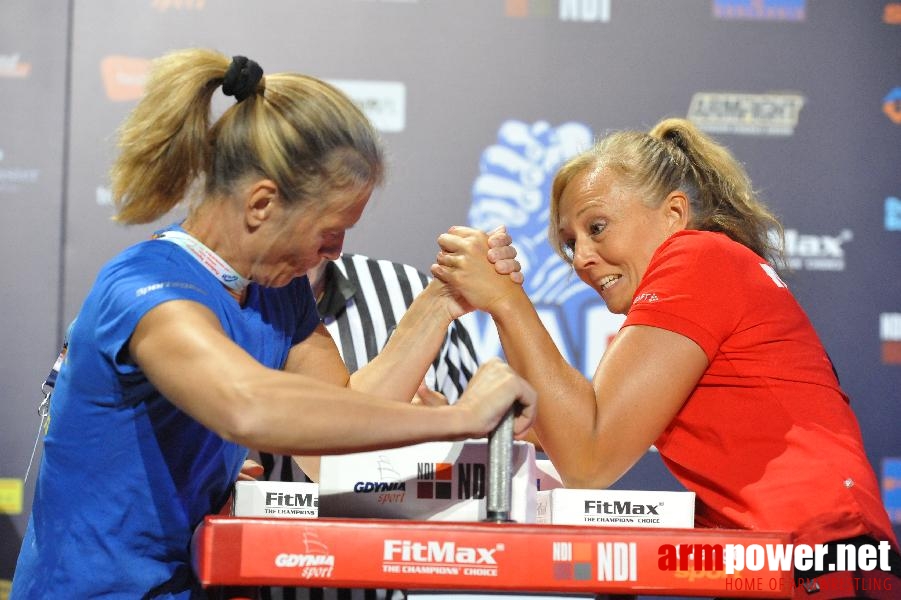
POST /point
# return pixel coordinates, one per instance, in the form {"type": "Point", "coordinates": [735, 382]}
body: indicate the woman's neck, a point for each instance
{"type": "Point", "coordinates": [214, 232]}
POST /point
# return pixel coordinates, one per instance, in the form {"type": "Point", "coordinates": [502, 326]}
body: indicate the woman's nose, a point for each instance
{"type": "Point", "coordinates": [583, 255]}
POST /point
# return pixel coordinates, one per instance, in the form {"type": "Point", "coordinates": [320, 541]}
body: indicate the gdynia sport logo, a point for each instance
{"type": "Point", "coordinates": [513, 189]}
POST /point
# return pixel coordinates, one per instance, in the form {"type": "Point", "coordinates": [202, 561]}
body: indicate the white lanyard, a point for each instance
{"type": "Point", "coordinates": [220, 269]}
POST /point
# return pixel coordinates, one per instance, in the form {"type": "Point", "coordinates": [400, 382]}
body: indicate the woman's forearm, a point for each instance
{"type": "Point", "coordinates": [567, 415]}
{"type": "Point", "coordinates": [397, 371]}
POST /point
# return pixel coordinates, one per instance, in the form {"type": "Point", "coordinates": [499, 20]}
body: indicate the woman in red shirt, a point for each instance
{"type": "Point", "coordinates": [716, 363]}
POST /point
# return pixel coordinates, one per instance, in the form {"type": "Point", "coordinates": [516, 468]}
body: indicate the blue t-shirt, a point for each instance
{"type": "Point", "coordinates": [126, 476]}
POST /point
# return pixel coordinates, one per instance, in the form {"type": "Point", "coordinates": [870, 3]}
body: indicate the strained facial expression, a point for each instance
{"type": "Point", "coordinates": [309, 235]}
{"type": "Point", "coordinates": [610, 234]}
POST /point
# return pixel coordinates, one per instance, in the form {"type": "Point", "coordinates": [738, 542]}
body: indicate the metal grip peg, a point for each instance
{"type": "Point", "coordinates": [500, 470]}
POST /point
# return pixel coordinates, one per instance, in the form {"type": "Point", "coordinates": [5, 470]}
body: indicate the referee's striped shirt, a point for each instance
{"type": "Point", "coordinates": [363, 301]}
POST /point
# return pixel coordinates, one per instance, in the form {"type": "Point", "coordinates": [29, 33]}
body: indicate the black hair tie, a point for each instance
{"type": "Point", "coordinates": [242, 78]}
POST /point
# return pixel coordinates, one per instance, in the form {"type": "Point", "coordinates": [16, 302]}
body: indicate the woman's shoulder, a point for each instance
{"type": "Point", "coordinates": [145, 254]}
{"type": "Point", "coordinates": [706, 244]}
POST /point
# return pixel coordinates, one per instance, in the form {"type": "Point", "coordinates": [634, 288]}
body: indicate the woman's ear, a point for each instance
{"type": "Point", "coordinates": [262, 201]}
{"type": "Point", "coordinates": [678, 210]}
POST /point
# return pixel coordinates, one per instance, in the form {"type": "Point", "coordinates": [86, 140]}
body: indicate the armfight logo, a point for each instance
{"type": "Point", "coordinates": [746, 114]}
{"type": "Point", "coordinates": [513, 188]}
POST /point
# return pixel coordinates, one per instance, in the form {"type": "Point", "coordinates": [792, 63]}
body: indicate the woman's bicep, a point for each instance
{"type": "Point", "coordinates": [643, 380]}
{"type": "Point", "coordinates": [317, 356]}
{"type": "Point", "coordinates": [181, 348]}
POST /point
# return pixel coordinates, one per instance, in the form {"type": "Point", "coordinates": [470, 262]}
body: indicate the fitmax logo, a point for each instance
{"type": "Point", "coordinates": [816, 252]}
{"type": "Point", "coordinates": [439, 552]}
{"type": "Point", "coordinates": [621, 508]}
{"type": "Point", "coordinates": [279, 499]}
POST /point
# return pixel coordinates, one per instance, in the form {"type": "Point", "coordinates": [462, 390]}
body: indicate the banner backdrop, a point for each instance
{"type": "Point", "coordinates": [478, 102]}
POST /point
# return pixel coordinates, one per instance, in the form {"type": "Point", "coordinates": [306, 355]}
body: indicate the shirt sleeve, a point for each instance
{"type": "Point", "coordinates": [128, 289]}
{"type": "Point", "coordinates": [692, 288]}
{"type": "Point", "coordinates": [307, 315]}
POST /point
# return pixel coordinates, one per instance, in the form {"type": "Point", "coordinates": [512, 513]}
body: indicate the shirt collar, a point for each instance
{"type": "Point", "coordinates": [336, 293]}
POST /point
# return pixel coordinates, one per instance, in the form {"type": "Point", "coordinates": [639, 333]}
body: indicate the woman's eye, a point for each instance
{"type": "Point", "coordinates": [596, 228]}
{"type": "Point", "coordinates": [569, 249]}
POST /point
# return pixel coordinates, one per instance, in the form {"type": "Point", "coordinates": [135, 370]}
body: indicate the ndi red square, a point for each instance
{"type": "Point", "coordinates": [424, 489]}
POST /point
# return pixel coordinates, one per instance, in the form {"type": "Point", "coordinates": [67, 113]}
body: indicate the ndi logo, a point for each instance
{"type": "Point", "coordinates": [513, 188]}
{"type": "Point", "coordinates": [435, 481]}
{"type": "Point", "coordinates": [616, 561]}
{"type": "Point", "coordinates": [580, 11]}
{"type": "Point", "coordinates": [572, 560]}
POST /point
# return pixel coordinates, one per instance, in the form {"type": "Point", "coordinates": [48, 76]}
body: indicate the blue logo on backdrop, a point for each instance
{"type": "Point", "coordinates": [771, 10]}
{"type": "Point", "coordinates": [891, 487]}
{"type": "Point", "coordinates": [891, 105]}
{"type": "Point", "coordinates": [513, 189]}
{"type": "Point", "coordinates": [892, 214]}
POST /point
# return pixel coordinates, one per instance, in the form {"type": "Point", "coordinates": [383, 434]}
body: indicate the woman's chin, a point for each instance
{"type": "Point", "coordinates": [614, 303]}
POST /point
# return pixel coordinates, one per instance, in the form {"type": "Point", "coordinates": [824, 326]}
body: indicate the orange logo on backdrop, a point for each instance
{"type": "Point", "coordinates": [517, 8]}
{"type": "Point", "coordinates": [124, 77]}
{"type": "Point", "coordinates": [11, 66]}
{"type": "Point", "coordinates": [892, 13]}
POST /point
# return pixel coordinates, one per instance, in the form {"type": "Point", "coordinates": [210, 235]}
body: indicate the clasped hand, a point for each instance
{"type": "Point", "coordinates": [480, 268]}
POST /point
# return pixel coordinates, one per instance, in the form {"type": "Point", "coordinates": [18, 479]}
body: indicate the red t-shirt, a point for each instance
{"type": "Point", "coordinates": [767, 440]}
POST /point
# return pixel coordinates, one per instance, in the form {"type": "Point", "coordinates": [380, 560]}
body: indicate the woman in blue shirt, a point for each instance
{"type": "Point", "coordinates": [204, 341]}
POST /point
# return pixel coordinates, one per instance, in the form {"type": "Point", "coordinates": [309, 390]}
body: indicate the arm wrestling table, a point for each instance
{"type": "Point", "coordinates": [491, 556]}
{"type": "Point", "coordinates": [428, 555]}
